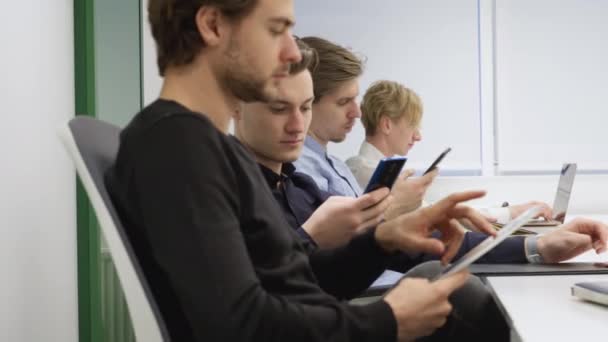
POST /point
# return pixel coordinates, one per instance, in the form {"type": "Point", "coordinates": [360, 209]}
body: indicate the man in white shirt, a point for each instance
{"type": "Point", "coordinates": [391, 114]}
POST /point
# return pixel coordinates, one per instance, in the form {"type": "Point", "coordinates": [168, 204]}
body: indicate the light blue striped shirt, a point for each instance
{"type": "Point", "coordinates": [330, 173]}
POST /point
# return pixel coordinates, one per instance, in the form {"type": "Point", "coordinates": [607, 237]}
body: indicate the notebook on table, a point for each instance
{"type": "Point", "coordinates": [593, 291]}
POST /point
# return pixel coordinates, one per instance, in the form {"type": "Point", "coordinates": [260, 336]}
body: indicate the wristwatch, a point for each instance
{"type": "Point", "coordinates": [532, 254]}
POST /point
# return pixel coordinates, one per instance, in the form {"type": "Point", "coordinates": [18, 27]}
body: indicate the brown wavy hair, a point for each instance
{"type": "Point", "coordinates": [310, 58]}
{"type": "Point", "coordinates": [336, 66]}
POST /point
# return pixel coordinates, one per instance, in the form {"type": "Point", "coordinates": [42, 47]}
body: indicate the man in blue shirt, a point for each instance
{"type": "Point", "coordinates": [330, 173]}
{"type": "Point", "coordinates": [335, 108]}
{"type": "Point", "coordinates": [336, 87]}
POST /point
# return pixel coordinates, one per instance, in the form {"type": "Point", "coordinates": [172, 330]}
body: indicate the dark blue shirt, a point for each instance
{"type": "Point", "coordinates": [297, 194]}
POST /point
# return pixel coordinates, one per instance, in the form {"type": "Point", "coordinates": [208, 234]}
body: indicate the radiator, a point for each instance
{"type": "Point", "coordinates": [117, 325]}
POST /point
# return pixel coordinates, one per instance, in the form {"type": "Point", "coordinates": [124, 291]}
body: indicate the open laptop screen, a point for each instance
{"type": "Point", "coordinates": [564, 188]}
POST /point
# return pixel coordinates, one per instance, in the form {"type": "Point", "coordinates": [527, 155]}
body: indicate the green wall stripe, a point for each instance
{"type": "Point", "coordinates": [87, 235]}
{"type": "Point", "coordinates": [141, 56]}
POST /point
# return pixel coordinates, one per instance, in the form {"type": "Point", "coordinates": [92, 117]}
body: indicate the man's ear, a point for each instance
{"type": "Point", "coordinates": [210, 24]}
{"type": "Point", "coordinates": [238, 113]}
{"type": "Point", "coordinates": [385, 124]}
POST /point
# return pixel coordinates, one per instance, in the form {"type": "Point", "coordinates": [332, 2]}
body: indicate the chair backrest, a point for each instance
{"type": "Point", "coordinates": [93, 145]}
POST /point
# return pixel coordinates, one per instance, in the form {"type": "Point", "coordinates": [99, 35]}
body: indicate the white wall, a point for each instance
{"type": "Point", "coordinates": [152, 81]}
{"type": "Point", "coordinates": [445, 50]}
{"type": "Point", "coordinates": [514, 86]}
{"type": "Point", "coordinates": [117, 60]}
{"type": "Point", "coordinates": [430, 46]}
{"type": "Point", "coordinates": [551, 80]}
{"type": "Point", "coordinates": [442, 33]}
{"type": "Point", "coordinates": [38, 293]}
{"type": "Point", "coordinates": [588, 192]}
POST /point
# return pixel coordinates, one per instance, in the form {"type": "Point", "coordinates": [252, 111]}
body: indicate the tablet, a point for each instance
{"type": "Point", "coordinates": [490, 242]}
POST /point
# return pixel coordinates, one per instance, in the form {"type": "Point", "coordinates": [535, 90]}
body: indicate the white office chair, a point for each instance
{"type": "Point", "coordinates": [92, 145]}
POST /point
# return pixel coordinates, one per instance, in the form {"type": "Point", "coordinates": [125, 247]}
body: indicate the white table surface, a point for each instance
{"type": "Point", "coordinates": [541, 308]}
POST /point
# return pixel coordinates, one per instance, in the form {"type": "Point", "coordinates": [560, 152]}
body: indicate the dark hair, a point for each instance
{"type": "Point", "coordinates": [310, 58]}
{"type": "Point", "coordinates": [174, 29]}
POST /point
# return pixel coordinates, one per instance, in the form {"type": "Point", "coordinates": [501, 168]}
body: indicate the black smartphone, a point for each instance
{"type": "Point", "coordinates": [437, 161]}
{"type": "Point", "coordinates": [386, 173]}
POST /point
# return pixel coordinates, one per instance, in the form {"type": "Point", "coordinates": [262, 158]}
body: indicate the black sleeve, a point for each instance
{"type": "Point", "coordinates": [189, 206]}
{"type": "Point", "coordinates": [348, 271]}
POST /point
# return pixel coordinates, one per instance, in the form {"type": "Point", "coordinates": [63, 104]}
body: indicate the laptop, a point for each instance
{"type": "Point", "coordinates": [562, 198]}
{"type": "Point", "coordinates": [560, 203]}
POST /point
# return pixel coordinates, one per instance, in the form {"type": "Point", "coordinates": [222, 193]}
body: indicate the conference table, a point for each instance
{"type": "Point", "coordinates": [541, 308]}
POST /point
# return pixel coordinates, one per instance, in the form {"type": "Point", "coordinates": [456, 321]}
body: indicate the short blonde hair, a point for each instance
{"type": "Point", "coordinates": [391, 99]}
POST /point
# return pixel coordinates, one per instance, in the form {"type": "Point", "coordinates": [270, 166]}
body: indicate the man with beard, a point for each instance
{"type": "Point", "coordinates": [210, 239]}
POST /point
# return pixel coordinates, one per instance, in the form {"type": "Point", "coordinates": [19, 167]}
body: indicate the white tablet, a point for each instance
{"type": "Point", "coordinates": [491, 242]}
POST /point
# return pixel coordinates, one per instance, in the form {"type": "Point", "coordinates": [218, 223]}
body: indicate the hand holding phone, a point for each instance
{"type": "Point", "coordinates": [437, 161]}
{"type": "Point", "coordinates": [386, 173]}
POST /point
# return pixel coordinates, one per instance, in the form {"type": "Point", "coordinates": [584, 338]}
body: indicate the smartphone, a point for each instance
{"type": "Point", "coordinates": [386, 173]}
{"type": "Point", "coordinates": [437, 161]}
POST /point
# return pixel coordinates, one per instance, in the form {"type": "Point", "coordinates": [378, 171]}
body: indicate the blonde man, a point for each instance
{"type": "Point", "coordinates": [392, 119]}
{"type": "Point", "coordinates": [391, 115]}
